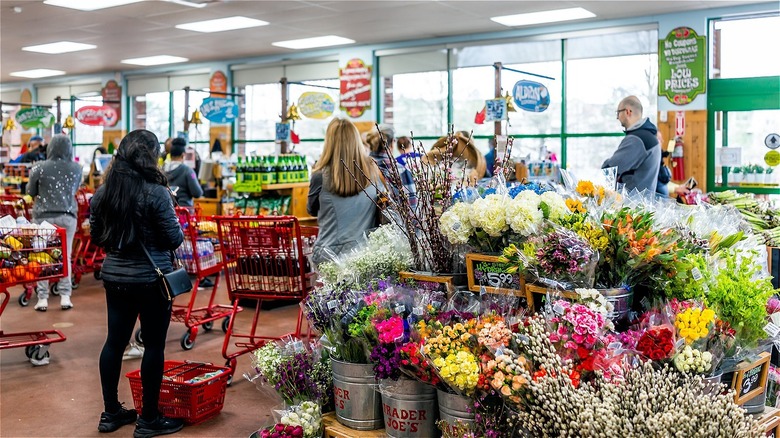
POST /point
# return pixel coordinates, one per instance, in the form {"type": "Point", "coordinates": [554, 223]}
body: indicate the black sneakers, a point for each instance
{"type": "Point", "coordinates": [160, 426]}
{"type": "Point", "coordinates": [112, 422]}
{"type": "Point", "coordinates": [205, 283]}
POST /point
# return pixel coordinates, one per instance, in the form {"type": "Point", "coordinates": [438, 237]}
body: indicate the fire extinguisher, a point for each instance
{"type": "Point", "coordinates": [678, 162]}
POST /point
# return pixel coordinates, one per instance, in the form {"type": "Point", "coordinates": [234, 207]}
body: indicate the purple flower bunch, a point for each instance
{"type": "Point", "coordinates": [563, 254]}
{"type": "Point", "coordinates": [325, 305]}
{"type": "Point", "coordinates": [387, 361]}
{"type": "Point", "coordinates": [301, 378]}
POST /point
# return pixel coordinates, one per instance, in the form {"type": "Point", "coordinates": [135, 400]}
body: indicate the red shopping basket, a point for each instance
{"type": "Point", "coordinates": [185, 393]}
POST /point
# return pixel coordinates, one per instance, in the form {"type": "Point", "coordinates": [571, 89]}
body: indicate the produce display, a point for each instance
{"type": "Point", "coordinates": [29, 252]}
{"type": "Point", "coordinates": [760, 217]}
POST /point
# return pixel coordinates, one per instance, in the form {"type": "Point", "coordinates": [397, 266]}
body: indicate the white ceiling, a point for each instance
{"type": "Point", "coordinates": [147, 28]}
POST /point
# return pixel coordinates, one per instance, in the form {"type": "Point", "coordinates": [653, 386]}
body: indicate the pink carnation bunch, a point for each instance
{"type": "Point", "coordinates": [390, 330]}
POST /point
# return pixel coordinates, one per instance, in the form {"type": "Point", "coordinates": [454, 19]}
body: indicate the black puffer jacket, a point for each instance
{"type": "Point", "coordinates": [161, 233]}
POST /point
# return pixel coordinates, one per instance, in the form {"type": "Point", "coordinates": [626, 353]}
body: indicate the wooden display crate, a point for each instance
{"type": "Point", "coordinates": [334, 429]}
{"type": "Point", "coordinates": [489, 271]}
{"type": "Point", "coordinates": [446, 281]}
{"type": "Point", "coordinates": [533, 291]}
{"type": "Point", "coordinates": [749, 379]}
{"type": "Point", "coordinates": [769, 423]}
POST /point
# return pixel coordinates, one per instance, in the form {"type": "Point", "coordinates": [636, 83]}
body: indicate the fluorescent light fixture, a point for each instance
{"type": "Point", "coordinates": [154, 60]}
{"type": "Point", "coordinates": [222, 24]}
{"type": "Point", "coordinates": [543, 17]}
{"type": "Point", "coordinates": [59, 47]}
{"type": "Point", "coordinates": [310, 43]}
{"type": "Point", "coordinates": [89, 5]}
{"type": "Point", "coordinates": [37, 73]}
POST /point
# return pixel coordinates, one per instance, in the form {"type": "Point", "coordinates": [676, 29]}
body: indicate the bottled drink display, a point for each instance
{"type": "Point", "coordinates": [254, 172]}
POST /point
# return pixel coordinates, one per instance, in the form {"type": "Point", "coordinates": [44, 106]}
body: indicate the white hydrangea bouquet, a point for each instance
{"type": "Point", "coordinates": [490, 223]}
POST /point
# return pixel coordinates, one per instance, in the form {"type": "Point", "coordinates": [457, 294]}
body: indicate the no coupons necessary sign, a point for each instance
{"type": "Point", "coordinates": [97, 115]}
{"type": "Point", "coordinates": [355, 89]}
{"type": "Point", "coordinates": [531, 96]}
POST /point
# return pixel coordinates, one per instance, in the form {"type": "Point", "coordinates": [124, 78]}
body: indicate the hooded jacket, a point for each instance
{"type": "Point", "coordinates": [183, 183]}
{"type": "Point", "coordinates": [54, 182]}
{"type": "Point", "coordinates": [638, 157]}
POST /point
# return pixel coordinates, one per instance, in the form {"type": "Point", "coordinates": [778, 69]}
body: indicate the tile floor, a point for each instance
{"type": "Point", "coordinates": [63, 399]}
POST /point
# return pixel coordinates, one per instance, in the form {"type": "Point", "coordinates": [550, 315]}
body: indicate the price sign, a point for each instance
{"type": "Point", "coordinates": [488, 271]}
{"type": "Point", "coordinates": [750, 379]}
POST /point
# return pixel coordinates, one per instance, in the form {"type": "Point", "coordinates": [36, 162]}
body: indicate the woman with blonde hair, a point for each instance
{"type": "Point", "coordinates": [342, 191]}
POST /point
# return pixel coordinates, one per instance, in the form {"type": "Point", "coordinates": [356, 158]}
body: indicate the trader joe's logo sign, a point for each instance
{"type": "Point", "coordinates": [355, 95]}
{"type": "Point", "coordinates": [682, 71]}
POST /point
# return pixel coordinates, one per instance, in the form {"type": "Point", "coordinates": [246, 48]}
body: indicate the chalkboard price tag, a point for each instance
{"type": "Point", "coordinates": [750, 379]}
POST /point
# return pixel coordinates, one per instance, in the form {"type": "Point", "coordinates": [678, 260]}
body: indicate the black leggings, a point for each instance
{"type": "Point", "coordinates": [126, 302]}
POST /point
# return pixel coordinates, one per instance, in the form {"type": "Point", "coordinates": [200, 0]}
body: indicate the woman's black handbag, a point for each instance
{"type": "Point", "coordinates": [173, 283]}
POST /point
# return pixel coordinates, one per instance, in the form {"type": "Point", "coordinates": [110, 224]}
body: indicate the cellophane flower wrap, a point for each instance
{"type": "Point", "coordinates": [449, 349]}
{"type": "Point", "coordinates": [280, 430]}
{"type": "Point", "coordinates": [296, 372]}
{"type": "Point", "coordinates": [658, 341]}
{"type": "Point", "coordinates": [578, 333]}
{"type": "Point", "coordinates": [564, 260]}
{"type": "Point", "coordinates": [329, 310]}
{"type": "Point", "coordinates": [306, 415]}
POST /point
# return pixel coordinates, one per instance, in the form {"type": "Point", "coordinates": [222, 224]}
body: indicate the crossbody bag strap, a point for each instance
{"type": "Point", "coordinates": [151, 260]}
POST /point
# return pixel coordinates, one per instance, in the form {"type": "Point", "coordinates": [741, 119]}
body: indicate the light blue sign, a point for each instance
{"type": "Point", "coordinates": [531, 96]}
{"type": "Point", "coordinates": [495, 109]}
{"type": "Point", "coordinates": [219, 110]}
{"type": "Point", "coordinates": [282, 131]}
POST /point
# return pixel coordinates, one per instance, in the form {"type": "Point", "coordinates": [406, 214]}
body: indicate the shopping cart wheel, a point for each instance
{"type": "Point", "coordinates": [186, 342]}
{"type": "Point", "coordinates": [207, 326]}
{"type": "Point", "coordinates": [30, 350]}
{"type": "Point", "coordinates": [24, 299]}
{"type": "Point", "coordinates": [74, 282]}
{"type": "Point", "coordinates": [98, 275]}
{"type": "Point", "coordinates": [138, 337]}
{"type": "Point", "coordinates": [231, 363]}
{"type": "Point", "coordinates": [34, 352]}
{"type": "Point", "coordinates": [225, 324]}
{"type": "Point", "coordinates": [54, 289]}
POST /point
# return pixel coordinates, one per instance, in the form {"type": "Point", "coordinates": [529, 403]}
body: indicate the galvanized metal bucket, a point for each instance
{"type": "Point", "coordinates": [409, 409]}
{"type": "Point", "coordinates": [455, 409]}
{"type": "Point", "coordinates": [621, 299]}
{"type": "Point", "coordinates": [358, 404]}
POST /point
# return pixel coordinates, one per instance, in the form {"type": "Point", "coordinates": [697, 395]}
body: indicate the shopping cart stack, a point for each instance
{"type": "Point", "coordinates": [265, 258]}
{"type": "Point", "coordinates": [200, 255]}
{"type": "Point", "coordinates": [87, 257]}
{"type": "Point", "coordinates": [30, 253]}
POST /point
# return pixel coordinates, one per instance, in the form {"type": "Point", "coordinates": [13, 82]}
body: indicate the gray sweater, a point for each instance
{"type": "Point", "coordinates": [342, 221]}
{"type": "Point", "coordinates": [183, 183]}
{"type": "Point", "coordinates": [638, 157]}
{"type": "Point", "coordinates": [54, 182]}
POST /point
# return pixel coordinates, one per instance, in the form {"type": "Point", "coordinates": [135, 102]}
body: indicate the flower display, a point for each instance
{"type": "Point", "coordinates": [506, 374]}
{"type": "Point", "coordinates": [492, 331]}
{"type": "Point", "coordinates": [307, 416]}
{"type": "Point", "coordinates": [554, 206]}
{"type": "Point", "coordinates": [458, 370]}
{"type": "Point", "coordinates": [416, 365]}
{"type": "Point", "coordinates": [565, 258]}
{"type": "Point", "coordinates": [489, 215]}
{"type": "Point", "coordinates": [455, 224]}
{"type": "Point", "coordinates": [575, 206]}
{"type": "Point", "coordinates": [280, 430]}
{"type": "Point", "coordinates": [656, 343]}
{"type": "Point", "coordinates": [692, 360]}
{"type": "Point", "coordinates": [296, 373]}
{"type": "Point", "coordinates": [447, 340]}
{"type": "Point", "coordinates": [390, 330]}
{"type": "Point", "coordinates": [693, 323]}
{"type": "Point", "coordinates": [387, 360]}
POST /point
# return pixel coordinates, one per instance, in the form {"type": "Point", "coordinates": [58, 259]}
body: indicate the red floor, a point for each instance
{"type": "Point", "coordinates": [63, 399]}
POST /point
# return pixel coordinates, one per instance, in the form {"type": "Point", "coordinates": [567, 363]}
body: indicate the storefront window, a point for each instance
{"type": "Point", "coordinates": [262, 104]}
{"type": "Point", "coordinates": [151, 112]}
{"type": "Point", "coordinates": [586, 154]}
{"type": "Point", "coordinates": [419, 103]}
{"type": "Point", "coordinates": [198, 135]}
{"type": "Point", "coordinates": [84, 134]}
{"type": "Point", "coordinates": [307, 128]}
{"type": "Point", "coordinates": [738, 48]}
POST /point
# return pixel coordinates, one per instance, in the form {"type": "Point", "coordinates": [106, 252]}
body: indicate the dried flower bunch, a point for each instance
{"type": "Point", "coordinates": [648, 402]}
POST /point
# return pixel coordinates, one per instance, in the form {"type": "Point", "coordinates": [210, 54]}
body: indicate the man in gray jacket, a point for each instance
{"type": "Point", "coordinates": [53, 184]}
{"type": "Point", "coordinates": [638, 157]}
{"type": "Point", "coordinates": [181, 179]}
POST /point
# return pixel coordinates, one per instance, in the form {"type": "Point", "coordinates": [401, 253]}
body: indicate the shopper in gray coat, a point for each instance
{"type": "Point", "coordinates": [53, 184]}
{"type": "Point", "coordinates": [638, 157]}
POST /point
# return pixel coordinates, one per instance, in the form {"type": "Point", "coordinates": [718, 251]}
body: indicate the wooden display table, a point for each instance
{"type": "Point", "coordinates": [334, 429]}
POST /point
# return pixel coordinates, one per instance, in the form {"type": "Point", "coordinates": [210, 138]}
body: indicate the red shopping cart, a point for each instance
{"type": "Point", "coordinates": [200, 255]}
{"type": "Point", "coordinates": [27, 255]}
{"type": "Point", "coordinates": [265, 258]}
{"type": "Point", "coordinates": [87, 257]}
{"type": "Point", "coordinates": [16, 206]}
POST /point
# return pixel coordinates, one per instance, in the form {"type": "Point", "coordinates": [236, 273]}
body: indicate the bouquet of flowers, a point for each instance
{"type": "Point", "coordinates": [656, 343]}
{"type": "Point", "coordinates": [280, 430]}
{"type": "Point", "coordinates": [329, 310]}
{"type": "Point", "coordinates": [306, 416]}
{"type": "Point", "coordinates": [449, 350]}
{"type": "Point", "coordinates": [579, 333]}
{"type": "Point", "coordinates": [565, 260]}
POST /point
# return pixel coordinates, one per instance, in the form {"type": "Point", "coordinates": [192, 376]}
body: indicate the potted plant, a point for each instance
{"type": "Point", "coordinates": [759, 174]}
{"type": "Point", "coordinates": [749, 174]}
{"type": "Point", "coordinates": [770, 175]}
{"type": "Point", "coordinates": [736, 175]}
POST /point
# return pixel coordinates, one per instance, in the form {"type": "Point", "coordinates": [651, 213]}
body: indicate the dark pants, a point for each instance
{"type": "Point", "coordinates": [126, 302]}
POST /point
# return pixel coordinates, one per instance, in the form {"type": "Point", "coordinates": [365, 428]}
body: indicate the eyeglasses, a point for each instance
{"type": "Point", "coordinates": [617, 113]}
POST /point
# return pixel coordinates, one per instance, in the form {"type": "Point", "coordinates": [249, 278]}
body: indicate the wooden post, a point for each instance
{"type": "Point", "coordinates": [497, 124]}
{"type": "Point", "coordinates": [187, 109]}
{"type": "Point", "coordinates": [283, 143]}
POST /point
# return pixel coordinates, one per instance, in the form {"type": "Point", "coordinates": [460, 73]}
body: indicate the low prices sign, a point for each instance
{"type": "Point", "coordinates": [355, 89]}
{"type": "Point", "coordinates": [682, 70]}
{"type": "Point", "coordinates": [97, 115]}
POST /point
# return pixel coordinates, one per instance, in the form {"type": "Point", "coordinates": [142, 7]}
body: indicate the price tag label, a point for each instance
{"type": "Point", "coordinates": [482, 290]}
{"type": "Point", "coordinates": [771, 329]}
{"type": "Point", "coordinates": [615, 345]}
{"type": "Point", "coordinates": [418, 310]}
{"type": "Point", "coordinates": [645, 303]}
{"type": "Point", "coordinates": [557, 308]}
{"type": "Point", "coordinates": [399, 308]}
{"type": "Point", "coordinates": [679, 344]}
{"type": "Point", "coordinates": [696, 274]}
{"type": "Point", "coordinates": [297, 346]}
{"type": "Point", "coordinates": [333, 304]}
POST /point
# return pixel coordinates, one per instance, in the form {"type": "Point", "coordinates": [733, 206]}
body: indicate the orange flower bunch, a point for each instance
{"type": "Point", "coordinates": [588, 189]}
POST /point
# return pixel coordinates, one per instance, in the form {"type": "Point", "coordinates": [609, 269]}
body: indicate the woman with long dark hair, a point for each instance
{"type": "Point", "coordinates": [134, 209]}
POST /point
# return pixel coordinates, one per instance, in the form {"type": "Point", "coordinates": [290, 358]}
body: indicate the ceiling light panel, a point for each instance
{"type": "Point", "coordinates": [89, 5]}
{"type": "Point", "coordinates": [155, 60]}
{"type": "Point", "coordinates": [59, 47]}
{"type": "Point", "coordinates": [310, 43]}
{"type": "Point", "coordinates": [222, 24]}
{"type": "Point", "coordinates": [533, 18]}
{"type": "Point", "coordinates": [37, 73]}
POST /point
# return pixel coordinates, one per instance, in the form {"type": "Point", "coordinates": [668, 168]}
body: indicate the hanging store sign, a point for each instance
{"type": "Point", "coordinates": [97, 115]}
{"type": "Point", "coordinates": [495, 109]}
{"type": "Point", "coordinates": [219, 110]}
{"type": "Point", "coordinates": [316, 105]}
{"type": "Point", "coordinates": [682, 69]}
{"type": "Point", "coordinates": [112, 96]}
{"type": "Point", "coordinates": [35, 117]}
{"type": "Point", "coordinates": [355, 87]}
{"type": "Point", "coordinates": [218, 84]}
{"type": "Point", "coordinates": [531, 96]}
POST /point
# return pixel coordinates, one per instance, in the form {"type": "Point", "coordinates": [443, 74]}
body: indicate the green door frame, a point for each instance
{"type": "Point", "coordinates": [745, 94]}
